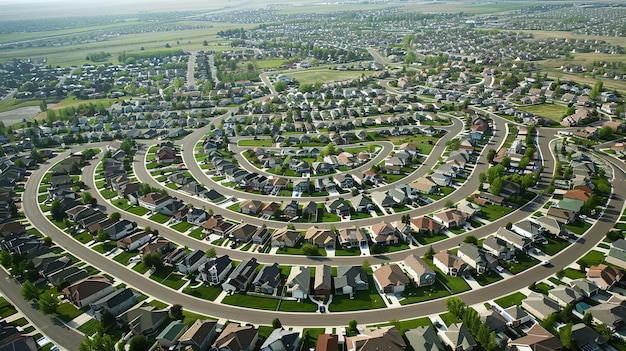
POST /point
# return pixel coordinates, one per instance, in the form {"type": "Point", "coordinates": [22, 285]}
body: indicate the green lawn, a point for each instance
{"type": "Point", "coordinates": [525, 262]}
{"type": "Point", "coordinates": [83, 237]}
{"type": "Point", "coordinates": [90, 327]}
{"type": "Point", "coordinates": [408, 324]}
{"type": "Point", "coordinates": [167, 277]}
{"type": "Point", "coordinates": [551, 111]}
{"type": "Point", "coordinates": [259, 142]}
{"type": "Point", "coordinates": [510, 300]}
{"type": "Point", "coordinates": [66, 312]}
{"type": "Point", "coordinates": [347, 252]}
{"type": "Point", "coordinates": [427, 239]}
{"type": "Point", "coordinates": [104, 247]}
{"type": "Point", "coordinates": [542, 288]}
{"type": "Point", "coordinates": [249, 301]}
{"type": "Point", "coordinates": [578, 227]}
{"type": "Point", "coordinates": [363, 300]}
{"type": "Point", "coordinates": [487, 278]}
{"type": "Point", "coordinates": [309, 337]}
{"type": "Point", "coordinates": [295, 306]}
{"type": "Point", "coordinates": [574, 274]}
{"type": "Point", "coordinates": [493, 212]}
{"type": "Point", "coordinates": [592, 258]}
{"type": "Point", "coordinates": [415, 294]}
{"type": "Point", "coordinates": [455, 284]}
{"type": "Point", "coordinates": [197, 234]}
{"type": "Point", "coordinates": [159, 218]}
{"type": "Point", "coordinates": [124, 256]}
{"type": "Point", "coordinates": [182, 226]}
{"type": "Point", "coordinates": [554, 245]}
{"type": "Point", "coordinates": [448, 318]}
{"type": "Point", "coordinates": [6, 309]}
{"type": "Point", "coordinates": [108, 194]}
{"type": "Point", "coordinates": [205, 292]}
{"type": "Point", "coordinates": [141, 268]}
{"type": "Point", "coordinates": [138, 210]}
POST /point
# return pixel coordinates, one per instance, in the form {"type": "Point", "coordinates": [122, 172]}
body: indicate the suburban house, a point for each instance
{"type": "Point", "coordinates": [267, 280]}
{"type": "Point", "coordinates": [352, 237]}
{"type": "Point", "coordinates": [529, 229]}
{"type": "Point", "coordinates": [425, 224]}
{"type": "Point", "coordinates": [281, 339]}
{"type": "Point", "coordinates": [199, 336]}
{"type": "Point", "coordinates": [384, 233]}
{"type": "Point", "coordinates": [120, 229]}
{"type": "Point", "coordinates": [564, 295]}
{"type": "Point", "coordinates": [241, 277]}
{"type": "Point", "coordinates": [584, 286]}
{"type": "Point", "coordinates": [168, 337]}
{"type": "Point", "coordinates": [476, 258]}
{"type": "Point", "coordinates": [244, 232]}
{"type": "Point", "coordinates": [603, 276]}
{"type": "Point", "coordinates": [323, 238]}
{"type": "Point", "coordinates": [362, 203]}
{"type": "Point", "coordinates": [519, 242]}
{"type": "Point", "coordinates": [88, 290]}
{"type": "Point", "coordinates": [536, 338]}
{"type": "Point", "coordinates": [452, 218]}
{"type": "Point", "coordinates": [391, 278]}
{"type": "Point", "coordinates": [539, 305]}
{"type": "Point", "coordinates": [327, 342]}
{"type": "Point", "coordinates": [377, 338]}
{"type": "Point", "coordinates": [612, 313]}
{"type": "Point", "coordinates": [285, 237]}
{"type": "Point", "coordinates": [215, 270]}
{"type": "Point", "coordinates": [617, 253]}
{"type": "Point", "coordinates": [350, 279]}
{"type": "Point", "coordinates": [116, 302]}
{"type": "Point", "coordinates": [236, 338]}
{"type": "Point", "coordinates": [499, 248]}
{"type": "Point", "coordinates": [134, 241]}
{"type": "Point", "coordinates": [322, 282]}
{"type": "Point", "coordinates": [421, 271]}
{"type": "Point", "coordinates": [458, 338]}
{"type": "Point", "coordinates": [250, 207]}
{"type": "Point", "coordinates": [155, 202]}
{"type": "Point", "coordinates": [449, 263]}
{"type": "Point", "coordinates": [424, 338]}
{"type": "Point", "coordinates": [299, 286]}
{"type": "Point", "coordinates": [143, 319]}
{"type": "Point", "coordinates": [192, 261]}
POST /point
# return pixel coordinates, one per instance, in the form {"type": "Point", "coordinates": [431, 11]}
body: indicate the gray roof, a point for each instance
{"type": "Point", "coordinates": [424, 338]}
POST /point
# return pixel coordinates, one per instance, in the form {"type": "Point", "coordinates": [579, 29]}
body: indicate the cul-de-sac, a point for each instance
{"type": "Point", "coordinates": [312, 176]}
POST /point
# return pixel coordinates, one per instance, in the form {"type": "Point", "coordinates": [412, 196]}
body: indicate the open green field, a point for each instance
{"type": "Point", "coordinates": [68, 55]}
{"type": "Point", "coordinates": [12, 104]}
{"type": "Point", "coordinates": [312, 76]}
{"type": "Point", "coordinates": [466, 7]}
{"type": "Point", "coordinates": [552, 111]}
{"type": "Point", "coordinates": [510, 300]}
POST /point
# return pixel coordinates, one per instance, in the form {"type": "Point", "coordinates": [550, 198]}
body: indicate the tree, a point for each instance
{"type": "Point", "coordinates": [491, 154]}
{"type": "Point", "coordinates": [47, 241]}
{"type": "Point", "coordinates": [565, 335]}
{"type": "Point", "coordinates": [48, 304]}
{"type": "Point", "coordinates": [211, 252]}
{"type": "Point", "coordinates": [153, 260]}
{"type": "Point", "coordinates": [310, 250]}
{"type": "Point", "coordinates": [29, 291]}
{"type": "Point", "coordinates": [588, 319]}
{"type": "Point", "coordinates": [377, 249]}
{"type": "Point", "coordinates": [470, 239]}
{"type": "Point", "coordinates": [107, 320]}
{"type": "Point", "coordinates": [366, 267]}
{"type": "Point", "coordinates": [549, 322]}
{"type": "Point", "coordinates": [176, 311]}
{"type": "Point", "coordinates": [430, 253]}
{"type": "Point", "coordinates": [56, 210]}
{"type": "Point", "coordinates": [138, 343]}
{"type": "Point", "coordinates": [449, 204]}
{"type": "Point", "coordinates": [43, 106]}
{"type": "Point", "coordinates": [566, 313]}
{"type": "Point", "coordinates": [352, 324]}
{"type": "Point", "coordinates": [456, 306]}
{"type": "Point", "coordinates": [98, 342]}
{"type": "Point", "coordinates": [102, 236]}
{"type": "Point", "coordinates": [604, 330]}
{"type": "Point", "coordinates": [115, 216]}
{"type": "Point", "coordinates": [276, 323]}
{"type": "Point", "coordinates": [496, 186]}
{"type": "Point", "coordinates": [86, 198]}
